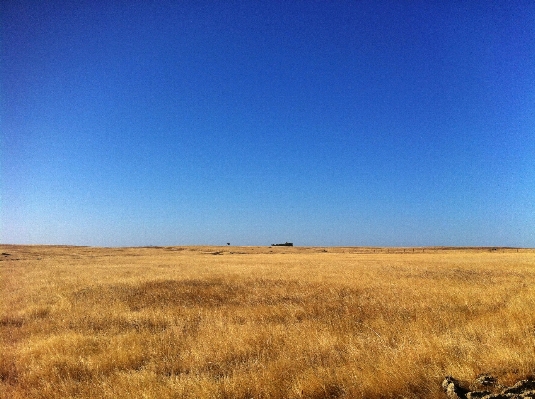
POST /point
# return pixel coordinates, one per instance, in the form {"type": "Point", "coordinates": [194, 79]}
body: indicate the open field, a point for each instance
{"type": "Point", "coordinates": [247, 322]}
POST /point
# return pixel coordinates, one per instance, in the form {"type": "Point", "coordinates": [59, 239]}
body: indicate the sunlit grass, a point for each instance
{"type": "Point", "coordinates": [199, 322]}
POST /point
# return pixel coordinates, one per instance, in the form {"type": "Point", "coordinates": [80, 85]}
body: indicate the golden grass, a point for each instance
{"type": "Point", "coordinates": [231, 322]}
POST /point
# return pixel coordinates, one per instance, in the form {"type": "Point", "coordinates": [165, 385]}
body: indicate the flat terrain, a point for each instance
{"type": "Point", "coordinates": [260, 322]}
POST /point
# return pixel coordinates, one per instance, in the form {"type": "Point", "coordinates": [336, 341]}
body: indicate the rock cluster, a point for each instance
{"type": "Point", "coordinates": [521, 390]}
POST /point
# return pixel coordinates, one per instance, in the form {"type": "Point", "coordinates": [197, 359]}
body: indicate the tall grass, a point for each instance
{"type": "Point", "coordinates": [260, 322]}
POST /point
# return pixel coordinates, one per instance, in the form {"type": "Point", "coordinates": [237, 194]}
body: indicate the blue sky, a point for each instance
{"type": "Point", "coordinates": [390, 123]}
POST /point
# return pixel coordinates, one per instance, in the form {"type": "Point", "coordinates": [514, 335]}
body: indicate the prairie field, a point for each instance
{"type": "Point", "coordinates": [261, 322]}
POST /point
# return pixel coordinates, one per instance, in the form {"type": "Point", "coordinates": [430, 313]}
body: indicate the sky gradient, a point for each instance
{"type": "Point", "coordinates": [383, 123]}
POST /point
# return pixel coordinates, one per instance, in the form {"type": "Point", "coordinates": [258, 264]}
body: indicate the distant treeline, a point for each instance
{"type": "Point", "coordinates": [286, 244]}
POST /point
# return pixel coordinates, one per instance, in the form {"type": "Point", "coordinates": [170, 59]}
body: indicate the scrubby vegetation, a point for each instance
{"type": "Point", "coordinates": [261, 322]}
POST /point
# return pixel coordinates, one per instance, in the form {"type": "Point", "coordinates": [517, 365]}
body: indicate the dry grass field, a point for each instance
{"type": "Point", "coordinates": [244, 322]}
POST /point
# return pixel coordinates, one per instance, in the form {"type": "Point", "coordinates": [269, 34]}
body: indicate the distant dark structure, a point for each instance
{"type": "Point", "coordinates": [286, 244]}
{"type": "Point", "coordinates": [228, 243]}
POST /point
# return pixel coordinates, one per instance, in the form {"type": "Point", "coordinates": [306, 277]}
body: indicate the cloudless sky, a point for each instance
{"type": "Point", "coordinates": [405, 123]}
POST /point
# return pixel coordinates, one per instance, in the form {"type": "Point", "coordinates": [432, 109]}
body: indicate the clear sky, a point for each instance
{"type": "Point", "coordinates": [395, 123]}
